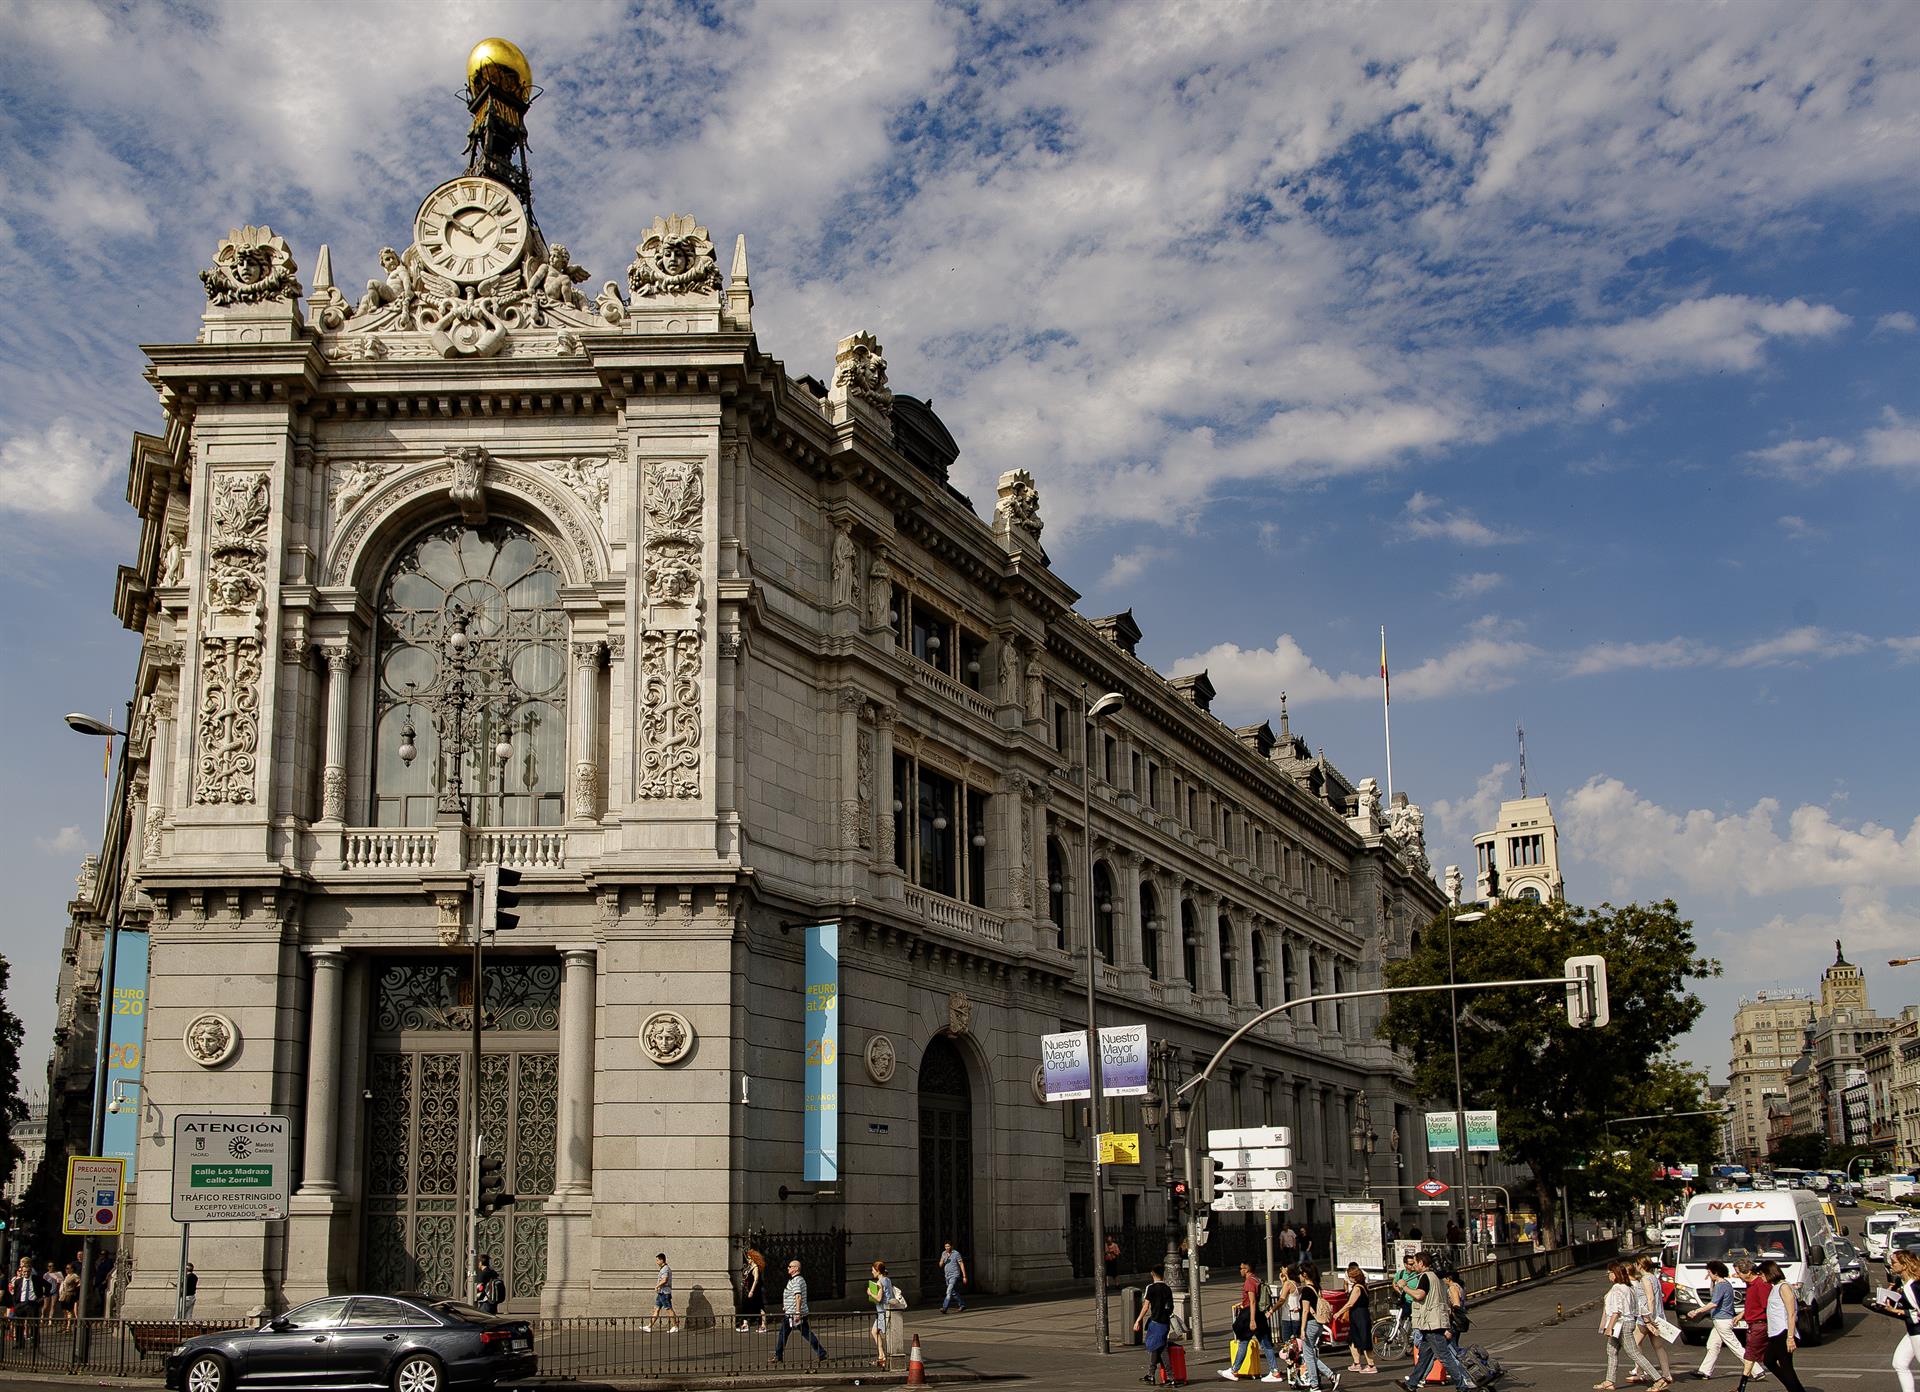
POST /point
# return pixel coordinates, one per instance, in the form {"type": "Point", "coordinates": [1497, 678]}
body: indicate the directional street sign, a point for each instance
{"type": "Point", "coordinates": [1433, 1188]}
{"type": "Point", "coordinates": [1254, 1201]}
{"type": "Point", "coordinates": [1435, 1203]}
{"type": "Point", "coordinates": [1229, 1181]}
{"type": "Point", "coordinates": [1250, 1138]}
{"type": "Point", "coordinates": [1271, 1158]}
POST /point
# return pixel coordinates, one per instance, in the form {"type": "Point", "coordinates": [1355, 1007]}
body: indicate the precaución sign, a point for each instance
{"type": "Point", "coordinates": [230, 1169]}
{"type": "Point", "coordinates": [93, 1196]}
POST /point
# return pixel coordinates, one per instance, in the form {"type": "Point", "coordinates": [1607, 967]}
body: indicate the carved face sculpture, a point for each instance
{"type": "Point", "coordinates": [250, 267]}
{"type": "Point", "coordinates": [209, 1038]}
{"type": "Point", "coordinates": [557, 257]}
{"type": "Point", "coordinates": [676, 256]}
{"type": "Point", "coordinates": [389, 259]}
{"type": "Point", "coordinates": [664, 1036]}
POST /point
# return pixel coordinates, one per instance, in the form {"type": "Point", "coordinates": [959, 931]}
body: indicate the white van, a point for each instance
{"type": "Point", "coordinates": [1878, 1226]}
{"type": "Point", "coordinates": [1670, 1229]}
{"type": "Point", "coordinates": [1786, 1226]}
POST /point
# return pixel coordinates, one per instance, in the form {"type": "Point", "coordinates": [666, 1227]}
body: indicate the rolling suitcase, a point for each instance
{"type": "Point", "coordinates": [1177, 1363]}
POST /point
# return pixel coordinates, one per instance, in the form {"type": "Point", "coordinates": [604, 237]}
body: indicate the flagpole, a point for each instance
{"type": "Point", "coordinates": [1386, 711]}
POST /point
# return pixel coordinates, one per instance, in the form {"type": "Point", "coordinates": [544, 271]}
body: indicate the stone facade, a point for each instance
{"type": "Point", "coordinates": [785, 674]}
{"type": "Point", "coordinates": [1768, 1033]}
{"type": "Point", "coordinates": [1520, 857]}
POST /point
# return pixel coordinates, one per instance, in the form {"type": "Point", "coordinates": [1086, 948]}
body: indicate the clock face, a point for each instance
{"type": "Point", "coordinates": [471, 228]}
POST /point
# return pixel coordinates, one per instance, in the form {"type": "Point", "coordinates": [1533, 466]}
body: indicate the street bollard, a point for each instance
{"type": "Point", "coordinates": [1130, 1302]}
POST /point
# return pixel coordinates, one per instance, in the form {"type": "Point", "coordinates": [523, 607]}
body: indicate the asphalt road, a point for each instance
{"type": "Point", "coordinates": [1546, 1336]}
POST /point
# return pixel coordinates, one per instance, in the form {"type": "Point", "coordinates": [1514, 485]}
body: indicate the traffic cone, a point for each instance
{"type": "Point", "coordinates": [916, 1365]}
{"type": "Point", "coordinates": [1437, 1373]}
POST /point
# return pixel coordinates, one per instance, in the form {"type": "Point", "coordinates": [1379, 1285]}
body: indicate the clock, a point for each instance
{"type": "Point", "coordinates": [471, 228]}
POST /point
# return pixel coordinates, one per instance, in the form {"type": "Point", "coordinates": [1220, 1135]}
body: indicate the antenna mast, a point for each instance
{"type": "Point", "coordinates": [1521, 732]}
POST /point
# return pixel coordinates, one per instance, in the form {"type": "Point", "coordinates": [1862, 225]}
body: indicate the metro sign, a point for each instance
{"type": "Point", "coordinates": [1433, 1188]}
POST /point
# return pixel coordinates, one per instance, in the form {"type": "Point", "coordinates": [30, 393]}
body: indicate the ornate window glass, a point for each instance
{"type": "Point", "coordinates": [499, 584]}
{"type": "Point", "coordinates": [1103, 911]}
{"type": "Point", "coordinates": [1150, 930]}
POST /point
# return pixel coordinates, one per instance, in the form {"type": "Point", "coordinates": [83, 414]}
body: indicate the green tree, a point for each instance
{"type": "Point", "coordinates": [1555, 1085]}
{"type": "Point", "coordinates": [1804, 1150]}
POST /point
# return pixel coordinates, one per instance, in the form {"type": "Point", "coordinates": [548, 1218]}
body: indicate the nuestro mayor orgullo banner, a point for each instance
{"type": "Point", "coordinates": [1124, 1063]}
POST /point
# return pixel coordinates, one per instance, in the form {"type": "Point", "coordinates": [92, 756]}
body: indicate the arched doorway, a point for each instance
{"type": "Point", "coordinates": [946, 1160]}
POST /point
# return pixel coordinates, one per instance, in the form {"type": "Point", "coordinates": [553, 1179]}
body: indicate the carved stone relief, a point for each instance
{"type": "Point", "coordinates": [879, 591]}
{"type": "Point", "coordinates": [674, 533]}
{"type": "Point", "coordinates": [860, 370]}
{"type": "Point", "coordinates": [228, 736]}
{"type": "Point", "coordinates": [670, 713]}
{"type": "Point", "coordinates": [251, 266]}
{"type": "Point", "coordinates": [352, 481]}
{"type": "Point", "coordinates": [674, 258]}
{"type": "Point", "coordinates": [959, 1013]}
{"type": "Point", "coordinates": [469, 487]}
{"type": "Point", "coordinates": [667, 1037]}
{"type": "Point", "coordinates": [845, 577]}
{"type": "Point", "coordinates": [882, 1059]}
{"type": "Point", "coordinates": [865, 790]}
{"type": "Point", "coordinates": [1019, 501]}
{"type": "Point", "coordinates": [210, 1039]}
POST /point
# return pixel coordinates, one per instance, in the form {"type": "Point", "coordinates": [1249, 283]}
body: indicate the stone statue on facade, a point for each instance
{"type": "Point", "coordinates": [1455, 884]}
{"type": "Point", "coordinates": [1407, 824]}
{"type": "Point", "coordinates": [879, 592]}
{"type": "Point", "coordinates": [860, 370]}
{"type": "Point", "coordinates": [355, 481]}
{"type": "Point", "coordinates": [173, 560]}
{"type": "Point", "coordinates": [557, 280]}
{"type": "Point", "coordinates": [1367, 804]}
{"type": "Point", "coordinates": [1009, 690]}
{"type": "Point", "coordinates": [845, 556]}
{"type": "Point", "coordinates": [1019, 501]}
{"type": "Point", "coordinates": [251, 266]}
{"type": "Point", "coordinates": [395, 288]}
{"type": "Point", "coordinates": [674, 258]}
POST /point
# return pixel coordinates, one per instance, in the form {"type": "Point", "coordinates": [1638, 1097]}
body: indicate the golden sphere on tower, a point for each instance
{"type": "Point", "coordinates": [502, 64]}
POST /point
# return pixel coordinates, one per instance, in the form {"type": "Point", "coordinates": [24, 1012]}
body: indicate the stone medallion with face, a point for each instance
{"type": "Point", "coordinates": [210, 1039]}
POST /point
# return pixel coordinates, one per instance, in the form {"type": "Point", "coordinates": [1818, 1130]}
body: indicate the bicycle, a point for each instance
{"type": "Point", "coordinates": [1396, 1340]}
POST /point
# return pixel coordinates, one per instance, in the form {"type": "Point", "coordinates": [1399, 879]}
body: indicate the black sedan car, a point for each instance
{"type": "Point", "coordinates": [410, 1343]}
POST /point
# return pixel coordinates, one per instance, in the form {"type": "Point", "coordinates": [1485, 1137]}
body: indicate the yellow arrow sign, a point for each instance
{"type": "Point", "coordinates": [1119, 1147]}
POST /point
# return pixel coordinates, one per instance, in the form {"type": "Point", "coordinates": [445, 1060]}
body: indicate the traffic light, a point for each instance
{"type": "Point", "coordinates": [1177, 1196]}
{"type": "Point", "coordinates": [490, 1192]}
{"type": "Point", "coordinates": [1587, 995]}
{"type": "Point", "coordinates": [499, 899]}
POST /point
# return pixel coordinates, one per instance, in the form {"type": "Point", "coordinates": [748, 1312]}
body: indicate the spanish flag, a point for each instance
{"type": "Point", "coordinates": [1386, 687]}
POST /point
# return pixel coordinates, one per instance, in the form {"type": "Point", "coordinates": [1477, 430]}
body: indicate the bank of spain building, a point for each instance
{"type": "Point", "coordinates": [498, 563]}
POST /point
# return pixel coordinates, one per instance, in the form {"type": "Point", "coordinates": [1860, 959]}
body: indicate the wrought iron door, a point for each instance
{"type": "Point", "coordinates": [418, 1135]}
{"type": "Point", "coordinates": [946, 1159]}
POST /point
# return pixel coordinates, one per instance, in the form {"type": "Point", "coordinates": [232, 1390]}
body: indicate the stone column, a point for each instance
{"type": "Point", "coordinates": [573, 1163]}
{"type": "Point", "coordinates": [1211, 992]}
{"type": "Point", "coordinates": [1127, 928]}
{"type": "Point", "coordinates": [333, 792]}
{"type": "Point", "coordinates": [319, 1174]}
{"type": "Point", "coordinates": [585, 791]}
{"type": "Point", "coordinates": [570, 1245]}
{"type": "Point", "coordinates": [319, 1247]}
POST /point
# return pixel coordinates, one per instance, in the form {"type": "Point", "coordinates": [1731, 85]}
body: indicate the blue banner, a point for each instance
{"type": "Point", "coordinates": [126, 1039]}
{"type": "Point", "coordinates": [823, 1055]}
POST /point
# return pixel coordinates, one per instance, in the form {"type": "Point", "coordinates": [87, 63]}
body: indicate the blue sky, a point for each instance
{"type": "Point", "coordinates": [1576, 344]}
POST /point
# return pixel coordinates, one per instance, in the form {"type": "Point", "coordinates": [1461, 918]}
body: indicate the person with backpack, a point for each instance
{"type": "Point", "coordinates": [1432, 1326]}
{"type": "Point", "coordinates": [489, 1289]}
{"type": "Point", "coordinates": [1316, 1314]}
{"type": "Point", "coordinates": [1155, 1324]}
{"type": "Point", "coordinates": [880, 1292]}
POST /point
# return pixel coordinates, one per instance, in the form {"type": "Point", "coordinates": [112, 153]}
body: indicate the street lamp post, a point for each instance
{"type": "Point", "coordinates": [112, 869]}
{"type": "Point", "coordinates": [1364, 1137]}
{"type": "Point", "coordinates": [1095, 710]}
{"type": "Point", "coordinates": [1459, 1087]}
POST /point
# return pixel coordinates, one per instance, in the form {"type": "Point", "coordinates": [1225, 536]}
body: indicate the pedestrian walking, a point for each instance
{"type": "Point", "coordinates": [1154, 1324]}
{"type": "Point", "coordinates": [1617, 1325]}
{"type": "Point", "coordinates": [1753, 1308]}
{"type": "Point", "coordinates": [1317, 1313]}
{"type": "Point", "coordinates": [953, 1267]}
{"type": "Point", "coordinates": [1404, 1282]}
{"type": "Point", "coordinates": [1432, 1327]}
{"type": "Point", "coordinates": [1903, 1303]}
{"type": "Point", "coordinates": [1783, 1308]}
{"type": "Point", "coordinates": [753, 1292]}
{"type": "Point", "coordinates": [1112, 1254]}
{"type": "Point", "coordinates": [793, 1307]}
{"type": "Point", "coordinates": [1357, 1315]}
{"type": "Point", "coordinates": [880, 1292]}
{"type": "Point", "coordinates": [69, 1293]}
{"type": "Point", "coordinates": [1289, 1246]}
{"type": "Point", "coordinates": [1289, 1304]}
{"type": "Point", "coordinates": [663, 1296]}
{"type": "Point", "coordinates": [489, 1288]}
{"type": "Point", "coordinates": [189, 1291]}
{"type": "Point", "coordinates": [1722, 1309]}
{"type": "Point", "coordinates": [1251, 1327]}
{"type": "Point", "coordinates": [1306, 1244]}
{"type": "Point", "coordinates": [1653, 1311]}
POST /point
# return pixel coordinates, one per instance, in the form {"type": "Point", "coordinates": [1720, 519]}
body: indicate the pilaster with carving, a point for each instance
{"type": "Point", "coordinates": [584, 793]}
{"type": "Point", "coordinates": [884, 790]}
{"type": "Point", "coordinates": [672, 646]}
{"type": "Point", "coordinates": [341, 659]}
{"type": "Point", "coordinates": [228, 727]}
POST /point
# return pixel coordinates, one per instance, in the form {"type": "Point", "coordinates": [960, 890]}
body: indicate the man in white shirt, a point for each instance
{"type": "Point", "coordinates": [663, 1296]}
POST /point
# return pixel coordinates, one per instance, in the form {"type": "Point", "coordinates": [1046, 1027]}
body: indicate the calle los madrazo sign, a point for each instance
{"type": "Point", "coordinates": [230, 1169]}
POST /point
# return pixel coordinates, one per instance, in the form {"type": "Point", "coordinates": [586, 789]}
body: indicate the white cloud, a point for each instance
{"type": "Point", "coordinates": [1796, 528]}
{"type": "Point", "coordinates": [1893, 444]}
{"type": "Point", "coordinates": [1472, 586]}
{"type": "Point", "coordinates": [67, 841]}
{"type": "Point", "coordinates": [55, 474]}
{"type": "Point", "coordinates": [1620, 657]}
{"type": "Point", "coordinates": [1424, 520]}
{"type": "Point", "coordinates": [1897, 322]}
{"type": "Point", "coordinates": [1464, 818]}
{"type": "Point", "coordinates": [1719, 333]}
{"type": "Point", "coordinates": [1797, 645]}
{"type": "Point", "coordinates": [1797, 458]}
{"type": "Point", "coordinates": [1905, 650]}
{"type": "Point", "coordinates": [1249, 679]}
{"type": "Point", "coordinates": [1734, 853]}
{"type": "Point", "coordinates": [1129, 566]}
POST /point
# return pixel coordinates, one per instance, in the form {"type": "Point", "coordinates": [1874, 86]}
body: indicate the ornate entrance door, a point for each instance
{"type": "Point", "coordinates": [946, 1160]}
{"type": "Point", "coordinates": [419, 1135]}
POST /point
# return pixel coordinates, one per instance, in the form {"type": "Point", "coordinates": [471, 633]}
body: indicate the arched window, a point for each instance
{"type": "Point", "coordinates": [1260, 969]}
{"type": "Point", "coordinates": [499, 585]}
{"type": "Point", "coordinates": [1103, 911]}
{"type": "Point", "coordinates": [1530, 893]}
{"type": "Point", "coordinates": [1339, 1007]}
{"type": "Point", "coordinates": [1190, 944]}
{"type": "Point", "coordinates": [1150, 930]}
{"type": "Point", "coordinates": [1057, 892]}
{"type": "Point", "coordinates": [1226, 956]}
{"type": "Point", "coordinates": [1288, 981]}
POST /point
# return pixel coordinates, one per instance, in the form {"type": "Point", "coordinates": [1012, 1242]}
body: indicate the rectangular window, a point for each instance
{"type": "Point", "coordinates": [976, 832]}
{"type": "Point", "coordinates": [1153, 785]}
{"type": "Point", "coordinates": [932, 638]}
{"type": "Point", "coordinates": [1133, 771]}
{"type": "Point", "coordinates": [973, 660]}
{"type": "Point", "coordinates": [938, 871]}
{"type": "Point", "coordinates": [1111, 759]}
{"type": "Point", "coordinates": [1060, 739]}
{"type": "Point", "coordinates": [1193, 809]}
{"type": "Point", "coordinates": [903, 797]}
